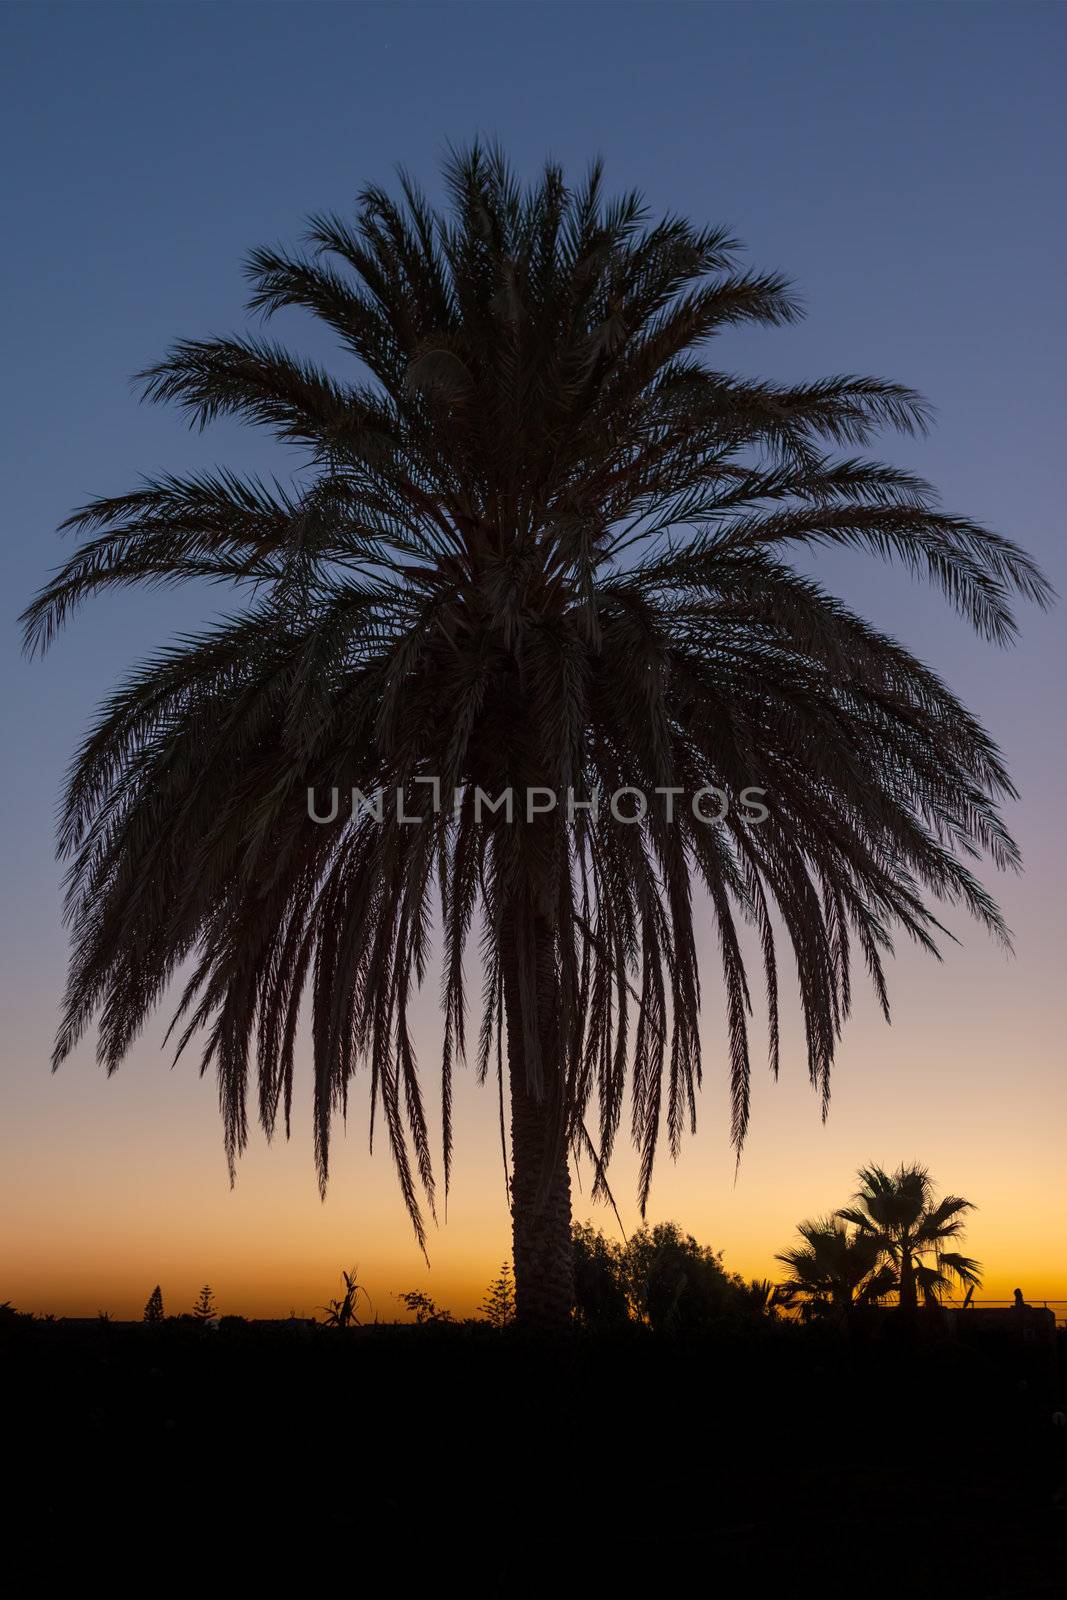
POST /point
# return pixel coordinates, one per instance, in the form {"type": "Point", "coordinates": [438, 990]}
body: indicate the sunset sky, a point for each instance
{"type": "Point", "coordinates": [904, 165]}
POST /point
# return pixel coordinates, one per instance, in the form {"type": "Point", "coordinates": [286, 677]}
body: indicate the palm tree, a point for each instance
{"type": "Point", "coordinates": [897, 1215]}
{"type": "Point", "coordinates": [533, 543]}
{"type": "Point", "coordinates": [833, 1270]}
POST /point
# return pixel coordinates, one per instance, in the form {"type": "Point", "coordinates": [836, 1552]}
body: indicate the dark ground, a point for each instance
{"type": "Point", "coordinates": [770, 1462]}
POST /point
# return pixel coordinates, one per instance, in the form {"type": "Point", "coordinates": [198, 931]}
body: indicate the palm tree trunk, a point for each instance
{"type": "Point", "coordinates": [540, 1178]}
{"type": "Point", "coordinates": [908, 1297]}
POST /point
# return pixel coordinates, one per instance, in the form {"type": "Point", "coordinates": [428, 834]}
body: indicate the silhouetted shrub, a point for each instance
{"type": "Point", "coordinates": [600, 1298]}
{"type": "Point", "coordinates": [660, 1277]}
{"type": "Point", "coordinates": [422, 1308]}
{"type": "Point", "coordinates": [677, 1285]}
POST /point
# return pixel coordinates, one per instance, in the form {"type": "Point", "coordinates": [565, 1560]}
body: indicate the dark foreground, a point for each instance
{"type": "Point", "coordinates": [776, 1461]}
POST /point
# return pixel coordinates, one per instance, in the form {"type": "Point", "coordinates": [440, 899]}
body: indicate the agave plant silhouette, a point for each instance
{"type": "Point", "coordinates": [343, 1313]}
{"type": "Point", "coordinates": [535, 542]}
{"type": "Point", "coordinates": [897, 1214]}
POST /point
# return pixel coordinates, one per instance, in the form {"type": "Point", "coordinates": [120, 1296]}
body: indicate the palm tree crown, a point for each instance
{"type": "Point", "coordinates": [897, 1214]}
{"type": "Point", "coordinates": [537, 541]}
{"type": "Point", "coordinates": [833, 1270]}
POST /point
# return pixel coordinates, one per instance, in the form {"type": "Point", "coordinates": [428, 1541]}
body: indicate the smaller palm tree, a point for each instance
{"type": "Point", "coordinates": [764, 1296]}
{"type": "Point", "coordinates": [896, 1213]}
{"type": "Point", "coordinates": [833, 1271]}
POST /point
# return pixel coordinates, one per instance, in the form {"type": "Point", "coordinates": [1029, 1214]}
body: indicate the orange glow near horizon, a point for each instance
{"type": "Point", "coordinates": [113, 1186]}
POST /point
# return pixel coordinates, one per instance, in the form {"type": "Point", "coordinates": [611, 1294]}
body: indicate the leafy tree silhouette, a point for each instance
{"type": "Point", "coordinates": [599, 1283]}
{"type": "Point", "coordinates": [660, 1276]}
{"type": "Point", "coordinates": [537, 544]}
{"type": "Point", "coordinates": [675, 1284]}
{"type": "Point", "coordinates": [422, 1307]}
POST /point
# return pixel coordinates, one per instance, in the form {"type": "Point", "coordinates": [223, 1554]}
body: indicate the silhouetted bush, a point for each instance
{"type": "Point", "coordinates": [424, 1309]}
{"type": "Point", "coordinates": [677, 1285]}
{"type": "Point", "coordinates": [660, 1277]}
{"type": "Point", "coordinates": [599, 1286]}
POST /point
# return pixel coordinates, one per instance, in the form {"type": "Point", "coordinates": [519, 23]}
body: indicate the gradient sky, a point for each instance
{"type": "Point", "coordinates": [904, 164]}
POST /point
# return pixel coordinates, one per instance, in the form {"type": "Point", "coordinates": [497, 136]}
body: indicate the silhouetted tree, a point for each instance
{"type": "Point", "coordinates": [833, 1271]}
{"type": "Point", "coordinates": [205, 1307]}
{"type": "Point", "coordinates": [660, 1276]}
{"type": "Point", "coordinates": [536, 542]}
{"type": "Point", "coordinates": [600, 1296]}
{"type": "Point", "coordinates": [498, 1307]}
{"type": "Point", "coordinates": [898, 1215]}
{"type": "Point", "coordinates": [9, 1314]}
{"type": "Point", "coordinates": [153, 1311]}
{"type": "Point", "coordinates": [676, 1284]}
{"type": "Point", "coordinates": [423, 1308]}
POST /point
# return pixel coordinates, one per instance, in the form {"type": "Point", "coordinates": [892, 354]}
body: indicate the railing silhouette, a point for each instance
{"type": "Point", "coordinates": [1059, 1307]}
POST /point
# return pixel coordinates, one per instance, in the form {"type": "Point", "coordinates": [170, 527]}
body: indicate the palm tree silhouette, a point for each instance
{"type": "Point", "coordinates": [896, 1213]}
{"type": "Point", "coordinates": [536, 543]}
{"type": "Point", "coordinates": [833, 1270]}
